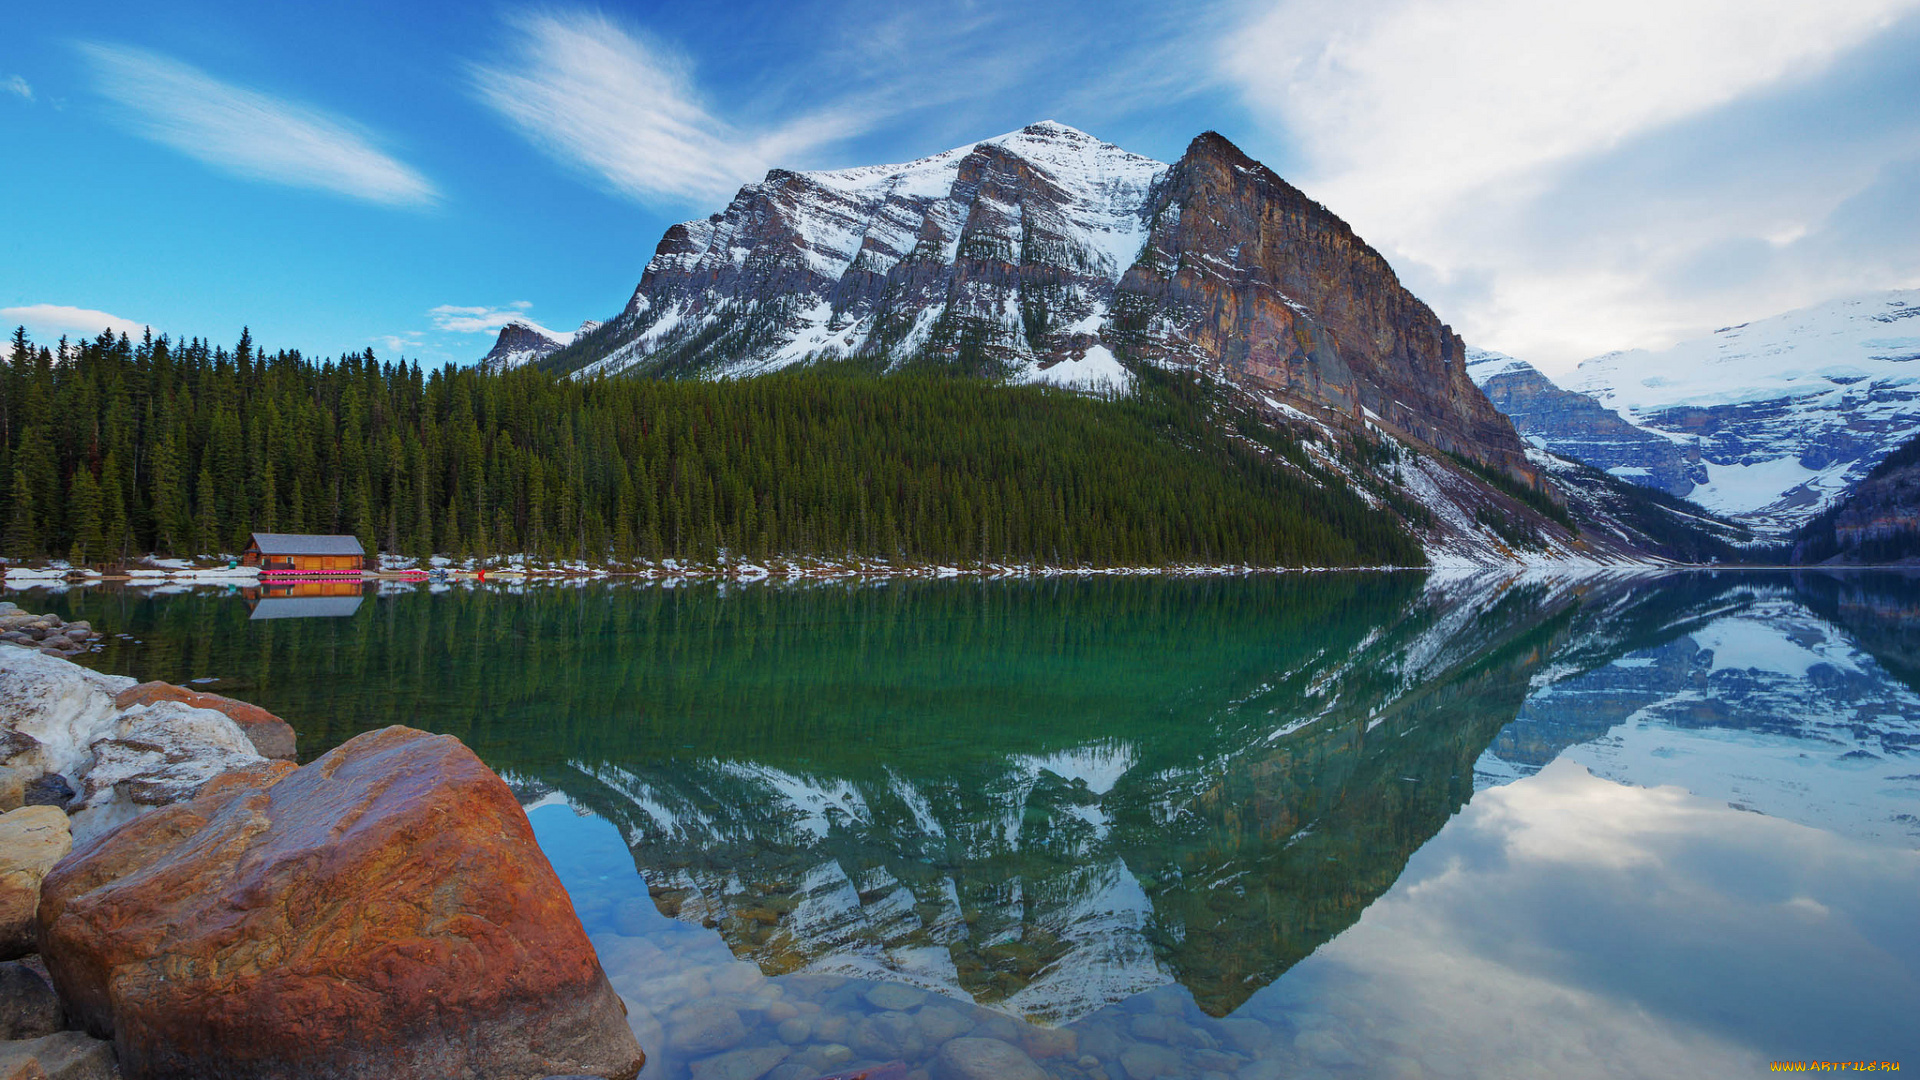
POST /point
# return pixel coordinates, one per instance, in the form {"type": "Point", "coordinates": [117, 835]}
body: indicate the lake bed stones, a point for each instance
{"type": "Point", "coordinates": [894, 997]}
{"type": "Point", "coordinates": [938, 1023]}
{"type": "Point", "coordinates": [749, 1064]}
{"type": "Point", "coordinates": [973, 1058]}
{"type": "Point", "coordinates": [388, 903]}
{"type": "Point", "coordinates": [705, 1027]}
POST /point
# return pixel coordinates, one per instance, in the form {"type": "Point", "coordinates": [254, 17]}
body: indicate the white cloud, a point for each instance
{"type": "Point", "coordinates": [18, 87]}
{"type": "Point", "coordinates": [401, 342]}
{"type": "Point", "coordinates": [46, 322]}
{"type": "Point", "coordinates": [249, 133]}
{"type": "Point", "coordinates": [602, 99]}
{"type": "Point", "coordinates": [1437, 126]}
{"type": "Point", "coordinates": [481, 319]}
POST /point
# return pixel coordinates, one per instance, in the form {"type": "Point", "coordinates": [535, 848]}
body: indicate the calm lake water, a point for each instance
{"type": "Point", "coordinates": [1316, 825]}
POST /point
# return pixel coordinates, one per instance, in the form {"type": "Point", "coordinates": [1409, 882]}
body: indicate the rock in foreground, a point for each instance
{"type": "Point", "coordinates": [382, 912]}
{"type": "Point", "coordinates": [32, 840]}
{"type": "Point", "coordinates": [271, 736]}
{"type": "Point", "coordinates": [65, 1055]}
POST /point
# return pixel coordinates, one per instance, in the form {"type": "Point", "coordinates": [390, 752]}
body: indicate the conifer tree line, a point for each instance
{"type": "Point", "coordinates": [112, 449]}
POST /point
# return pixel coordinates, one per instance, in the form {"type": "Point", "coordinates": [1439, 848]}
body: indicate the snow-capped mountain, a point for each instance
{"type": "Point", "coordinates": [1047, 255]}
{"type": "Point", "coordinates": [1040, 255]}
{"type": "Point", "coordinates": [1576, 426]}
{"type": "Point", "coordinates": [1007, 249]}
{"type": "Point", "coordinates": [523, 342]}
{"type": "Point", "coordinates": [1770, 421]}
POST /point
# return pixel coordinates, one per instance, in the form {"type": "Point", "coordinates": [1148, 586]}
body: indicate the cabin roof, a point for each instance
{"type": "Point", "coordinates": [306, 544]}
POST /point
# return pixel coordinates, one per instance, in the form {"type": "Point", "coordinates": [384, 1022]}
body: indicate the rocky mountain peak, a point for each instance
{"type": "Point", "coordinates": [1244, 275]}
{"type": "Point", "coordinates": [1045, 254]}
{"type": "Point", "coordinates": [522, 341]}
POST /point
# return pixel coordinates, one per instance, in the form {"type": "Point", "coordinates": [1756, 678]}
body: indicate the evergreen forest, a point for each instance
{"type": "Point", "coordinates": [113, 449]}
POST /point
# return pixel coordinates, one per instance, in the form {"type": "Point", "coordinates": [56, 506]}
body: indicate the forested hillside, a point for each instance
{"type": "Point", "coordinates": [1877, 523]}
{"type": "Point", "coordinates": [114, 449]}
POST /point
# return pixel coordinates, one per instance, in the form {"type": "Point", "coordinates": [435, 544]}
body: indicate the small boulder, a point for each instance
{"type": "Point", "coordinates": [938, 1023]}
{"type": "Point", "coordinates": [29, 1008]}
{"type": "Point", "coordinates": [1045, 1042]}
{"type": "Point", "coordinates": [13, 786]}
{"type": "Point", "coordinates": [156, 755]}
{"type": "Point", "coordinates": [972, 1058]}
{"type": "Point", "coordinates": [387, 902]}
{"type": "Point", "coordinates": [48, 789]}
{"type": "Point", "coordinates": [740, 1064]}
{"type": "Point", "coordinates": [1144, 1061]}
{"type": "Point", "coordinates": [52, 710]}
{"type": "Point", "coordinates": [893, 996]}
{"type": "Point", "coordinates": [32, 840]}
{"type": "Point", "coordinates": [66, 1055]}
{"type": "Point", "coordinates": [270, 735]}
{"type": "Point", "coordinates": [705, 1027]}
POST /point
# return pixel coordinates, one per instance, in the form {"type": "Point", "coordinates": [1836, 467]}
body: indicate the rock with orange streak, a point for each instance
{"type": "Point", "coordinates": [270, 735]}
{"type": "Point", "coordinates": [381, 912]}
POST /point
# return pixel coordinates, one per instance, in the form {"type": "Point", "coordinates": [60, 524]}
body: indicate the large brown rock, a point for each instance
{"type": "Point", "coordinates": [32, 840]}
{"type": "Point", "coordinates": [270, 735]}
{"type": "Point", "coordinates": [382, 912]}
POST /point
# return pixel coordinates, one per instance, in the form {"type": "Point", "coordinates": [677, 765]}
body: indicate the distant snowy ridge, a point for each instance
{"type": "Point", "coordinates": [523, 341]}
{"type": "Point", "coordinates": [1781, 415]}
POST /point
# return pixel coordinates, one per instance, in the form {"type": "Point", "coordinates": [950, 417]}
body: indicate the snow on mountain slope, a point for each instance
{"type": "Point", "coordinates": [1575, 425]}
{"type": "Point", "coordinates": [1005, 252]}
{"type": "Point", "coordinates": [1786, 412]}
{"type": "Point", "coordinates": [523, 342]}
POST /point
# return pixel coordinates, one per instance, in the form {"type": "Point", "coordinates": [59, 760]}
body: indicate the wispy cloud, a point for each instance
{"type": "Point", "coordinates": [249, 133]}
{"type": "Point", "coordinates": [604, 99]}
{"type": "Point", "coordinates": [18, 87]}
{"type": "Point", "coordinates": [480, 319]}
{"type": "Point", "coordinates": [45, 322]}
{"type": "Point", "coordinates": [1442, 127]}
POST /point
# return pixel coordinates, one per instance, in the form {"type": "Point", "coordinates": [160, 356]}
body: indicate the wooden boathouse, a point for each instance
{"type": "Point", "coordinates": [305, 553]}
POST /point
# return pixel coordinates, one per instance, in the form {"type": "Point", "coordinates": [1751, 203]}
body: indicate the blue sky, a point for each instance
{"type": "Point", "coordinates": [1556, 179]}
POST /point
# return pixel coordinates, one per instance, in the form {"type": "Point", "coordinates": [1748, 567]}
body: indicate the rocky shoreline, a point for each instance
{"type": "Point", "coordinates": [48, 633]}
{"type": "Point", "coordinates": [179, 899]}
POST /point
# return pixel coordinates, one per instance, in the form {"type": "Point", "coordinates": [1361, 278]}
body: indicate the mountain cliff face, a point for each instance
{"type": "Point", "coordinates": [1576, 426]}
{"type": "Point", "coordinates": [522, 342]}
{"type": "Point", "coordinates": [1244, 275]}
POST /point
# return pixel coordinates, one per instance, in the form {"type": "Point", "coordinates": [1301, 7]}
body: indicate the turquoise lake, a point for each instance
{"type": "Point", "coordinates": [1313, 825]}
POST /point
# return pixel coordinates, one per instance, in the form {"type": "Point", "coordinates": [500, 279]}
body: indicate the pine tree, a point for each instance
{"type": "Point", "coordinates": [85, 519]}
{"type": "Point", "coordinates": [23, 530]}
{"type": "Point", "coordinates": [206, 519]}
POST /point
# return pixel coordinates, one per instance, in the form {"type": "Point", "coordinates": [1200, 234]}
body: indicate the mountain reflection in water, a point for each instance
{"type": "Point", "coordinates": [1064, 801]}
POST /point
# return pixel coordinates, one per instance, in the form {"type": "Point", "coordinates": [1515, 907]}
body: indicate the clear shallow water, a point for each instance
{"type": "Point", "coordinates": [1313, 825]}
